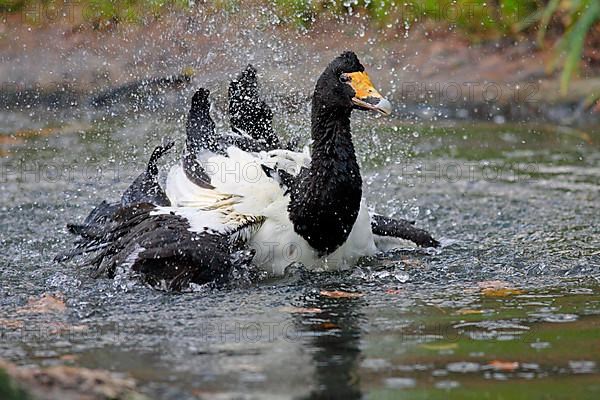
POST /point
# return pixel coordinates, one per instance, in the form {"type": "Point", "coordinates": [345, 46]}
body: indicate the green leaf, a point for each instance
{"type": "Point", "coordinates": [573, 42]}
{"type": "Point", "coordinates": [545, 19]}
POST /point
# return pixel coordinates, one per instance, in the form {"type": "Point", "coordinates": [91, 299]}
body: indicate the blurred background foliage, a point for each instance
{"type": "Point", "coordinates": [571, 26]}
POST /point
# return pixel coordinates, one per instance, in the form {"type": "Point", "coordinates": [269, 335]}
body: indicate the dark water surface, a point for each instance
{"type": "Point", "coordinates": [508, 308]}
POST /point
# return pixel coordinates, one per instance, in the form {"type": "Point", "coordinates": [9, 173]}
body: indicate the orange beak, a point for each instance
{"type": "Point", "coordinates": [367, 97]}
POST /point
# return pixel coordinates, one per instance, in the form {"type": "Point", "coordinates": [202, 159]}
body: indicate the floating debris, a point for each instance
{"type": "Point", "coordinates": [300, 310]}
{"type": "Point", "coordinates": [507, 366]}
{"type": "Point", "coordinates": [47, 303]}
{"type": "Point", "coordinates": [340, 294]}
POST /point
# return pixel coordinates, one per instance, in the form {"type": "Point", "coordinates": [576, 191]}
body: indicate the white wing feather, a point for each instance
{"type": "Point", "coordinates": [253, 205]}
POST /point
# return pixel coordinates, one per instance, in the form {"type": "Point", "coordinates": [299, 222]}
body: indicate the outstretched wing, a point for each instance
{"type": "Point", "coordinates": [144, 189]}
{"type": "Point", "coordinates": [248, 114]}
{"type": "Point", "coordinates": [169, 247]}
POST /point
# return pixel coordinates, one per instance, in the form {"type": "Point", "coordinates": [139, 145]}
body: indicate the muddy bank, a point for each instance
{"type": "Point", "coordinates": [63, 382]}
{"type": "Point", "coordinates": [54, 377]}
{"type": "Point", "coordinates": [431, 72]}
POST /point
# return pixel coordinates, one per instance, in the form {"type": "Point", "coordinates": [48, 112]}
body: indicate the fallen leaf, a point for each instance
{"type": "Point", "coordinates": [300, 310]}
{"type": "Point", "coordinates": [497, 289]}
{"type": "Point", "coordinates": [27, 133]}
{"type": "Point", "coordinates": [586, 137]}
{"type": "Point", "coordinates": [66, 382]}
{"type": "Point", "coordinates": [467, 311]}
{"type": "Point", "coordinates": [339, 294]}
{"type": "Point", "coordinates": [47, 303]}
{"type": "Point", "coordinates": [412, 262]}
{"type": "Point", "coordinates": [11, 323]}
{"type": "Point", "coordinates": [394, 291]}
{"type": "Point", "coordinates": [99, 382]}
{"type": "Point", "coordinates": [440, 346]}
{"type": "Point", "coordinates": [10, 140]}
{"type": "Point", "coordinates": [327, 325]}
{"type": "Point", "coordinates": [50, 130]}
{"type": "Point", "coordinates": [506, 366]}
{"type": "Point", "coordinates": [503, 292]}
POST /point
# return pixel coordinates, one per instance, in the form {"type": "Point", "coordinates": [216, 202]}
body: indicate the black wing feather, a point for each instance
{"type": "Point", "coordinates": [162, 249]}
{"type": "Point", "coordinates": [248, 113]}
{"type": "Point", "coordinates": [403, 229]}
{"type": "Point", "coordinates": [145, 188]}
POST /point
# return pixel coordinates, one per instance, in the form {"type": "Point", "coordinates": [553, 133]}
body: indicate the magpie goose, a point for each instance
{"type": "Point", "coordinates": [237, 198]}
{"type": "Point", "coordinates": [291, 206]}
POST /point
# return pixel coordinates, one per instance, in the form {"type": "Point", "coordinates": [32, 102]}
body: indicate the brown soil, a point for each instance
{"type": "Point", "coordinates": [70, 383]}
{"type": "Point", "coordinates": [430, 64]}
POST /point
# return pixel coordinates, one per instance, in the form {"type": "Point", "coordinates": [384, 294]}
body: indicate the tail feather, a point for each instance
{"type": "Point", "coordinates": [200, 128]}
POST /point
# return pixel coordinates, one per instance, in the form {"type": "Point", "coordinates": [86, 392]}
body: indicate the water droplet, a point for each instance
{"type": "Point", "coordinates": [463, 367]}
{"type": "Point", "coordinates": [400, 383]}
{"type": "Point", "coordinates": [447, 385]}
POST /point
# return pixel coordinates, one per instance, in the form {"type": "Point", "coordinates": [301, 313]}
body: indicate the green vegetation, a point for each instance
{"type": "Point", "coordinates": [574, 19]}
{"type": "Point", "coordinates": [8, 390]}
{"type": "Point", "coordinates": [95, 11]}
{"type": "Point", "coordinates": [474, 16]}
{"type": "Point", "coordinates": [577, 18]}
{"type": "Point", "coordinates": [570, 21]}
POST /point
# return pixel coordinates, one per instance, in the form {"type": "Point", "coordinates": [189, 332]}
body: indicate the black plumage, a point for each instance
{"type": "Point", "coordinates": [145, 188]}
{"type": "Point", "coordinates": [403, 229]}
{"type": "Point", "coordinates": [326, 200]}
{"type": "Point", "coordinates": [248, 113]}
{"type": "Point", "coordinates": [160, 248]}
{"type": "Point", "coordinates": [200, 134]}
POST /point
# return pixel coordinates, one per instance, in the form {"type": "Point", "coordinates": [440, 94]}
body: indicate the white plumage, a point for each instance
{"type": "Point", "coordinates": [244, 194]}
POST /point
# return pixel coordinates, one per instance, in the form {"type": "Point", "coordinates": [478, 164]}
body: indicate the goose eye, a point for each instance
{"type": "Point", "coordinates": [344, 78]}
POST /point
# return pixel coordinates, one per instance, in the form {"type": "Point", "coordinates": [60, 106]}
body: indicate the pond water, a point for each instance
{"type": "Point", "coordinates": [509, 307]}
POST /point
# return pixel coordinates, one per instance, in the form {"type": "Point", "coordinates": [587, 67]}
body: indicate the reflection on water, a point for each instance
{"type": "Point", "coordinates": [335, 346]}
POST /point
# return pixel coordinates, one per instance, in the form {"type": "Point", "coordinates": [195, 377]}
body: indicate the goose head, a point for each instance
{"type": "Point", "coordinates": [345, 85]}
